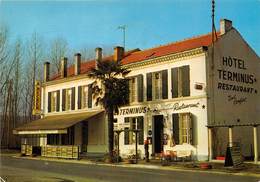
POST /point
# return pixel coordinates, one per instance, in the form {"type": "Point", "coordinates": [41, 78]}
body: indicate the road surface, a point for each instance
{"type": "Point", "coordinates": [25, 170]}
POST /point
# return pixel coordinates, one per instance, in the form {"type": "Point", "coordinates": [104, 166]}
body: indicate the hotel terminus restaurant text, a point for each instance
{"type": "Point", "coordinates": [184, 98]}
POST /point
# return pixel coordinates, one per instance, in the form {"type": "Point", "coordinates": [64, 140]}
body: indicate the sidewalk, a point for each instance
{"type": "Point", "coordinates": [217, 166]}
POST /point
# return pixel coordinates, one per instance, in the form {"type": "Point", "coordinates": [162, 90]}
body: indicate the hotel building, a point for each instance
{"type": "Point", "coordinates": [184, 96]}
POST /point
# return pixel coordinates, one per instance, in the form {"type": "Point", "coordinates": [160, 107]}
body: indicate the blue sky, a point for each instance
{"type": "Point", "coordinates": [149, 23]}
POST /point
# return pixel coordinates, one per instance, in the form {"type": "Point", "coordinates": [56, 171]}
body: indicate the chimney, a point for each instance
{"type": "Point", "coordinates": [225, 26]}
{"type": "Point", "coordinates": [98, 54]}
{"type": "Point", "coordinates": [118, 53]}
{"type": "Point", "coordinates": [46, 76]}
{"type": "Point", "coordinates": [63, 67]}
{"type": "Point", "coordinates": [77, 63]}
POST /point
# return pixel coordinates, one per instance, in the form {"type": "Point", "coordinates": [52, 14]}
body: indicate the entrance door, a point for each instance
{"type": "Point", "coordinates": [84, 136]}
{"type": "Point", "coordinates": [157, 134]}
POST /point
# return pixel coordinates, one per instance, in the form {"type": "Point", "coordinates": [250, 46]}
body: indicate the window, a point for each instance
{"type": "Point", "coordinates": [182, 128]}
{"type": "Point", "coordinates": [136, 89]}
{"type": "Point", "coordinates": [135, 123]}
{"type": "Point", "coordinates": [68, 99]}
{"type": "Point", "coordinates": [157, 88]}
{"type": "Point", "coordinates": [133, 89]}
{"type": "Point", "coordinates": [180, 81]}
{"type": "Point", "coordinates": [54, 101]}
{"type": "Point", "coordinates": [84, 97]}
{"type": "Point", "coordinates": [61, 139]}
{"type": "Point", "coordinates": [52, 139]}
{"type": "Point", "coordinates": [157, 85]}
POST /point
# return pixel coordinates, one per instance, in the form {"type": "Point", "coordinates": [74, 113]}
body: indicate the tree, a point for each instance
{"type": "Point", "coordinates": [110, 89]}
{"type": "Point", "coordinates": [59, 48]}
{"type": "Point", "coordinates": [32, 71]}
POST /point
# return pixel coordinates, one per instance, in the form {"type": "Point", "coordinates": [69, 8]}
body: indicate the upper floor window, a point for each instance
{"type": "Point", "coordinates": [157, 88]}
{"type": "Point", "coordinates": [133, 89]}
{"type": "Point", "coordinates": [157, 85]}
{"type": "Point", "coordinates": [84, 97]}
{"type": "Point", "coordinates": [180, 81]}
{"type": "Point", "coordinates": [54, 101]}
{"type": "Point", "coordinates": [136, 88]}
{"type": "Point", "coordinates": [68, 99]}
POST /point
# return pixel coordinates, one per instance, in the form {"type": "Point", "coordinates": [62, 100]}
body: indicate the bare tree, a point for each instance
{"type": "Point", "coordinates": [32, 70]}
{"type": "Point", "coordinates": [58, 49]}
{"type": "Point", "coordinates": [11, 99]}
{"type": "Point", "coordinates": [6, 66]}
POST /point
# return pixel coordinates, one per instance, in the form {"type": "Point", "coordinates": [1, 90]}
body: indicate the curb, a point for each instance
{"type": "Point", "coordinates": [142, 166]}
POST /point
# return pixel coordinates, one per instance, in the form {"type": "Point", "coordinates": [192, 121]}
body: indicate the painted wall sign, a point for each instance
{"type": "Point", "coordinates": [235, 76]}
{"type": "Point", "coordinates": [235, 100]}
{"type": "Point", "coordinates": [157, 108]}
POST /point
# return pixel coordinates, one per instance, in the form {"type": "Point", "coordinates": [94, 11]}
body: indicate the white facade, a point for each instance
{"type": "Point", "coordinates": [196, 105]}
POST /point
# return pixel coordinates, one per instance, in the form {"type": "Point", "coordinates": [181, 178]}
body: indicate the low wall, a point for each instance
{"type": "Point", "coordinates": [62, 151]}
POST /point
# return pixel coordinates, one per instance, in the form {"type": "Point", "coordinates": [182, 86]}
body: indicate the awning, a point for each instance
{"type": "Point", "coordinates": [54, 124]}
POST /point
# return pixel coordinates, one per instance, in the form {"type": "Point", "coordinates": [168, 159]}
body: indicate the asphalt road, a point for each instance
{"type": "Point", "coordinates": [21, 170]}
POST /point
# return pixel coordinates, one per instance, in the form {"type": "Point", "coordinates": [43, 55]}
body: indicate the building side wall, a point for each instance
{"type": "Point", "coordinates": [235, 84]}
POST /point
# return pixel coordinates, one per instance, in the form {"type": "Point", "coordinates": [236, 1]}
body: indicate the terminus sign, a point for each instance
{"type": "Point", "coordinates": [146, 109]}
{"type": "Point", "coordinates": [236, 77]}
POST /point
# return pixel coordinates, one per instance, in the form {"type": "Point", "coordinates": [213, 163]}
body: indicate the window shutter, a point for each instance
{"type": "Point", "coordinates": [127, 101]}
{"type": "Point", "coordinates": [63, 99]}
{"type": "Point", "coordinates": [126, 136]}
{"type": "Point", "coordinates": [130, 87]}
{"type": "Point", "coordinates": [165, 84]}
{"type": "Point", "coordinates": [185, 74]}
{"type": "Point", "coordinates": [90, 96]}
{"type": "Point", "coordinates": [192, 133]}
{"type": "Point", "coordinates": [73, 98]}
{"type": "Point", "coordinates": [58, 101]}
{"type": "Point", "coordinates": [174, 74]}
{"type": "Point", "coordinates": [175, 127]}
{"type": "Point", "coordinates": [140, 92]}
{"type": "Point", "coordinates": [49, 101]}
{"type": "Point", "coordinates": [79, 96]}
{"type": "Point", "coordinates": [149, 86]}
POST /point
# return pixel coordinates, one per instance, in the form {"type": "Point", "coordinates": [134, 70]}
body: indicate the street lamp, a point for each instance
{"type": "Point", "coordinates": [136, 153]}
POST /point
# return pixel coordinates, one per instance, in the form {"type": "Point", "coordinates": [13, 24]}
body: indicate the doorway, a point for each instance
{"type": "Point", "coordinates": [157, 134]}
{"type": "Point", "coordinates": [84, 136]}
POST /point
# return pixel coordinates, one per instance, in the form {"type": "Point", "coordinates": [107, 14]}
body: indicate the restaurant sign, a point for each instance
{"type": "Point", "coordinates": [37, 98]}
{"type": "Point", "coordinates": [157, 108]}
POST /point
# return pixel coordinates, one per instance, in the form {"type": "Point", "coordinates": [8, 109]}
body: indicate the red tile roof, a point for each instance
{"type": "Point", "coordinates": [137, 55]}
{"type": "Point", "coordinates": [175, 47]}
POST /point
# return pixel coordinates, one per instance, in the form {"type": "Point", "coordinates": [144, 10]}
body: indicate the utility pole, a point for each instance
{"type": "Point", "coordinates": [123, 28]}
{"type": "Point", "coordinates": [213, 37]}
{"type": "Point", "coordinates": [211, 76]}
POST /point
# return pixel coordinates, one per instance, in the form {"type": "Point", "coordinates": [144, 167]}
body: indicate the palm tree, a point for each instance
{"type": "Point", "coordinates": [110, 89]}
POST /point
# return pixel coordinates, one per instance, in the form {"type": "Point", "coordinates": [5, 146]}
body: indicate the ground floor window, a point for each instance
{"type": "Point", "coordinates": [53, 139]}
{"type": "Point", "coordinates": [182, 128]}
{"type": "Point", "coordinates": [61, 139]}
{"type": "Point", "coordinates": [33, 140]}
{"type": "Point", "coordinates": [129, 135]}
